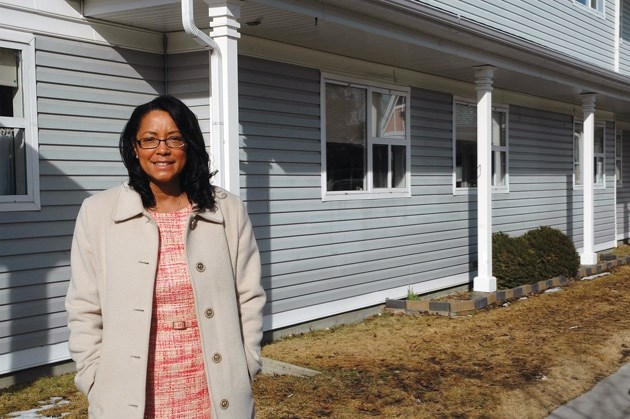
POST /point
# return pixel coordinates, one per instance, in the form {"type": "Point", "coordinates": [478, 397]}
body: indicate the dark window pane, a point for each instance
{"type": "Point", "coordinates": [345, 165]}
{"type": "Point", "coordinates": [10, 94]}
{"type": "Point", "coordinates": [465, 145]}
{"type": "Point", "coordinates": [466, 164]}
{"type": "Point", "coordinates": [12, 162]}
{"type": "Point", "coordinates": [345, 137]}
{"type": "Point", "coordinates": [379, 165]}
{"type": "Point", "coordinates": [399, 166]}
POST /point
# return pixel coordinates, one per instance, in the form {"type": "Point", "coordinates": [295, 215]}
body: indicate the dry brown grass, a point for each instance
{"type": "Point", "coordinates": [520, 361]}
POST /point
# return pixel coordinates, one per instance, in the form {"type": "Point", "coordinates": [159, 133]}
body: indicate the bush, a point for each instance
{"type": "Point", "coordinates": [539, 254]}
{"type": "Point", "coordinates": [513, 264]}
{"type": "Point", "coordinates": [555, 252]}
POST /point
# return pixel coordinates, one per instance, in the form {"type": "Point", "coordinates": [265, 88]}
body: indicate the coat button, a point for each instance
{"type": "Point", "coordinates": [224, 404]}
{"type": "Point", "coordinates": [200, 267]}
{"type": "Point", "coordinates": [209, 312]}
{"type": "Point", "coordinates": [193, 224]}
{"type": "Point", "coordinates": [216, 357]}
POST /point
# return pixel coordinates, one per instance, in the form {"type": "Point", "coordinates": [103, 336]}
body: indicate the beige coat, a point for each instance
{"type": "Point", "coordinates": [109, 302]}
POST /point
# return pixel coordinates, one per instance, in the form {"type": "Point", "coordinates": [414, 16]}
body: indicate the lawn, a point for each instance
{"type": "Point", "coordinates": [521, 360]}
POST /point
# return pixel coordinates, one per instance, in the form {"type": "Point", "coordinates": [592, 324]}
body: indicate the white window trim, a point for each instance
{"type": "Point", "coordinates": [599, 124]}
{"type": "Point", "coordinates": [370, 193]}
{"type": "Point", "coordinates": [619, 157]}
{"type": "Point", "coordinates": [495, 189]}
{"type": "Point", "coordinates": [600, 10]}
{"type": "Point", "coordinates": [30, 201]}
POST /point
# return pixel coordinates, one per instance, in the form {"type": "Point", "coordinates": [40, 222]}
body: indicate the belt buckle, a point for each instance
{"type": "Point", "coordinates": [179, 325]}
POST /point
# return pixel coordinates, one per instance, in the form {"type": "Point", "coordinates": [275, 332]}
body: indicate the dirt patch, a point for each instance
{"type": "Point", "coordinates": [517, 361]}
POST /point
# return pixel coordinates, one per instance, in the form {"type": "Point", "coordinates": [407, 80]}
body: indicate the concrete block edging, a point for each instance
{"type": "Point", "coordinates": [483, 300]}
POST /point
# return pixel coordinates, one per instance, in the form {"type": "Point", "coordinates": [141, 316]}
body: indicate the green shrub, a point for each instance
{"type": "Point", "coordinates": [554, 251]}
{"type": "Point", "coordinates": [539, 254]}
{"type": "Point", "coordinates": [512, 261]}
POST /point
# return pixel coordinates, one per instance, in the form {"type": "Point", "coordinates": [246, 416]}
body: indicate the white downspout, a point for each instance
{"type": "Point", "coordinates": [216, 89]}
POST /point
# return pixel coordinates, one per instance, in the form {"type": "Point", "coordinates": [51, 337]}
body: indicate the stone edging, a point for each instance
{"type": "Point", "coordinates": [459, 307]}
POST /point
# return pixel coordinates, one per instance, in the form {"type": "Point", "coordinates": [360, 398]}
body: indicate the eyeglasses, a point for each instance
{"type": "Point", "coordinates": [152, 142]}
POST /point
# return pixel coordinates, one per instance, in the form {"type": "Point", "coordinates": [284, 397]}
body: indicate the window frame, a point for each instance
{"type": "Point", "coordinates": [25, 43]}
{"type": "Point", "coordinates": [618, 157]}
{"type": "Point", "coordinates": [596, 185]}
{"type": "Point", "coordinates": [599, 8]}
{"type": "Point", "coordinates": [370, 192]}
{"type": "Point", "coordinates": [498, 107]}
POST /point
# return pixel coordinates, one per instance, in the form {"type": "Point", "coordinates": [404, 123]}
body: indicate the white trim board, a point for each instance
{"type": "Point", "coordinates": [331, 308]}
{"type": "Point", "coordinates": [600, 247]}
{"type": "Point", "coordinates": [19, 18]}
{"type": "Point", "coordinates": [33, 357]}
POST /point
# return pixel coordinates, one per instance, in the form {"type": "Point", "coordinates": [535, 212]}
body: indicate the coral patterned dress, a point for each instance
{"type": "Point", "coordinates": [176, 379]}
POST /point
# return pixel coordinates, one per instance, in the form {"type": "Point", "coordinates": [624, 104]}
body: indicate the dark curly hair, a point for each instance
{"type": "Point", "coordinates": [195, 178]}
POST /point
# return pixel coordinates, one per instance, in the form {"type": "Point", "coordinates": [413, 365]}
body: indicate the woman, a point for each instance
{"type": "Point", "coordinates": [165, 302]}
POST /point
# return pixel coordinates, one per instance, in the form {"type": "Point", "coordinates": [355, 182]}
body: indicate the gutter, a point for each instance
{"type": "Point", "coordinates": [216, 85]}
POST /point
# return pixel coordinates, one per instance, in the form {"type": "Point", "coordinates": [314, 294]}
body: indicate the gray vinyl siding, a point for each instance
{"type": "Point", "coordinates": [541, 179]}
{"type": "Point", "coordinates": [623, 190]}
{"type": "Point", "coordinates": [560, 25]}
{"type": "Point", "coordinates": [85, 93]}
{"type": "Point", "coordinates": [540, 175]}
{"type": "Point", "coordinates": [605, 198]}
{"type": "Point", "coordinates": [189, 80]}
{"type": "Point", "coordinates": [624, 41]}
{"type": "Point", "coordinates": [315, 252]}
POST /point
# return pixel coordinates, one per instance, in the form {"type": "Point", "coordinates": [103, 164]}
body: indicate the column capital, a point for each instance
{"type": "Point", "coordinates": [484, 70]}
{"type": "Point", "coordinates": [588, 101]}
{"type": "Point", "coordinates": [224, 15]}
{"type": "Point", "coordinates": [483, 77]}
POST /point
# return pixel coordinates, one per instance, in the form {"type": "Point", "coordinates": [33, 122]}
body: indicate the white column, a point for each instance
{"type": "Point", "coordinates": [588, 256]}
{"type": "Point", "coordinates": [225, 146]}
{"type": "Point", "coordinates": [484, 281]}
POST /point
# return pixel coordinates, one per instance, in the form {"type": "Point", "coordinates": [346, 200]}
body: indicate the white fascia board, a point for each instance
{"type": "Point", "coordinates": [319, 311]}
{"type": "Point", "coordinates": [21, 19]}
{"type": "Point", "coordinates": [34, 357]}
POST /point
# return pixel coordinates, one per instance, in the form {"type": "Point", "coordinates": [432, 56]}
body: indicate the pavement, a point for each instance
{"type": "Point", "coordinates": [609, 399]}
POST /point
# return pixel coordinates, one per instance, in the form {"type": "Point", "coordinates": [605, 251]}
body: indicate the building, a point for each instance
{"type": "Point", "coordinates": [377, 143]}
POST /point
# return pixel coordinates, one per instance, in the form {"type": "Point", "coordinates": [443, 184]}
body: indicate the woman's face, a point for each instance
{"type": "Point", "coordinates": [163, 164]}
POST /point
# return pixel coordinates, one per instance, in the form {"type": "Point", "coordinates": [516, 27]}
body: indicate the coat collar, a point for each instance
{"type": "Point", "coordinates": [129, 205]}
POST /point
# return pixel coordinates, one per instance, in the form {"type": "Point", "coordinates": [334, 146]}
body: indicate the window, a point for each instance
{"type": "Point", "coordinates": [597, 5]}
{"type": "Point", "coordinates": [18, 127]}
{"type": "Point", "coordinates": [618, 167]}
{"type": "Point", "coordinates": [465, 147]}
{"type": "Point", "coordinates": [598, 154]}
{"type": "Point", "coordinates": [366, 145]}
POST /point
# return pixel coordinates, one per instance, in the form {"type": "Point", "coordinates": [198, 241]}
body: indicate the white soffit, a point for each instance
{"type": "Point", "coordinates": [155, 15]}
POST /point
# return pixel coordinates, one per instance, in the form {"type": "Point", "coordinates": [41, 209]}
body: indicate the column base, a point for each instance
{"type": "Point", "coordinates": [588, 258]}
{"type": "Point", "coordinates": [484, 284]}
